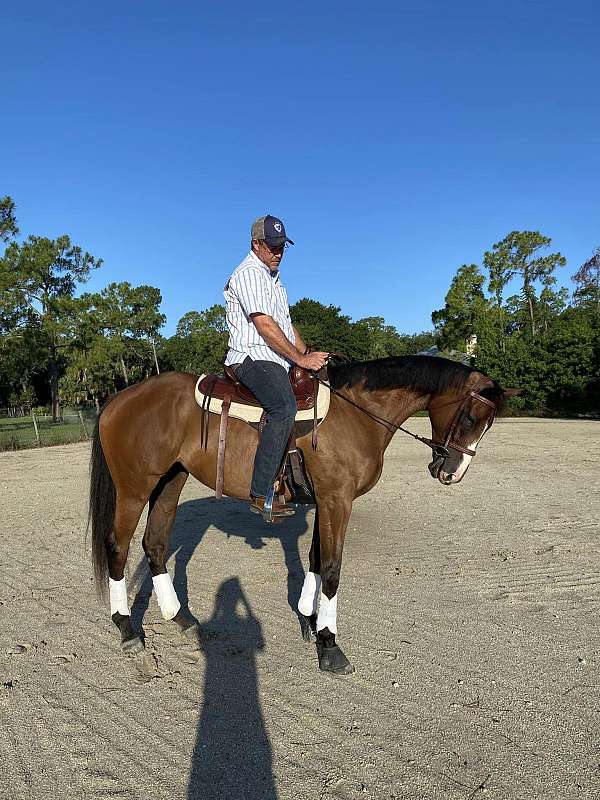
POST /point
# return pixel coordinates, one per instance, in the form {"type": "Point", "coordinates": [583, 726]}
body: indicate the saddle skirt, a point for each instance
{"type": "Point", "coordinates": [252, 413]}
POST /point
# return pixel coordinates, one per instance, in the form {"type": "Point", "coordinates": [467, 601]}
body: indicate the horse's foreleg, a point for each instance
{"type": "Point", "coordinates": [127, 515]}
{"type": "Point", "coordinates": [311, 588]}
{"type": "Point", "coordinates": [161, 515]}
{"type": "Point", "coordinates": [334, 513]}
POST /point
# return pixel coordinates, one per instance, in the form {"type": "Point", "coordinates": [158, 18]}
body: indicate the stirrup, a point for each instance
{"type": "Point", "coordinates": [267, 513]}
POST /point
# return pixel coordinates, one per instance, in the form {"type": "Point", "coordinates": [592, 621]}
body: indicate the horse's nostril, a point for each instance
{"type": "Point", "coordinates": [450, 477]}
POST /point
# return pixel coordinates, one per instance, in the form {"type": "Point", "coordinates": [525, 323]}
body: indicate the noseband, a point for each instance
{"type": "Point", "coordinates": [443, 448]}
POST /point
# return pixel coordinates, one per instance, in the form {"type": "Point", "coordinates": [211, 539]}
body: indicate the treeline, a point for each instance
{"type": "Point", "coordinates": [539, 338]}
{"type": "Point", "coordinates": [61, 345]}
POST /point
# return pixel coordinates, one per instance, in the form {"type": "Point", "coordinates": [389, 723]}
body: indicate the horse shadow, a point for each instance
{"type": "Point", "coordinates": [232, 754]}
{"type": "Point", "coordinates": [231, 517]}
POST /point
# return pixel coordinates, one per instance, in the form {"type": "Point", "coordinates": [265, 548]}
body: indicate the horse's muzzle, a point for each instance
{"type": "Point", "coordinates": [436, 465]}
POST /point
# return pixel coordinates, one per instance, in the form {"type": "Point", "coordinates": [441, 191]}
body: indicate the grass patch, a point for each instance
{"type": "Point", "coordinates": [18, 433]}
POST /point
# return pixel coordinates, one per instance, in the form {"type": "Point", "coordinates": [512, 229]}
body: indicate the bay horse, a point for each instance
{"type": "Point", "coordinates": [147, 441]}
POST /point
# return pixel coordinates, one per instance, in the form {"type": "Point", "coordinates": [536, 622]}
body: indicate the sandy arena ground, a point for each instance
{"type": "Point", "coordinates": [471, 614]}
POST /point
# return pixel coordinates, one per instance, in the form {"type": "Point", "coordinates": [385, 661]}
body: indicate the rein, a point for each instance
{"type": "Point", "coordinates": [439, 448]}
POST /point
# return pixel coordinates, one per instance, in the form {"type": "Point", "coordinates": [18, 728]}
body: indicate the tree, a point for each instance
{"type": "Point", "coordinates": [325, 328]}
{"type": "Point", "coordinates": [587, 279]}
{"type": "Point", "coordinates": [465, 304]}
{"type": "Point", "coordinates": [515, 255]}
{"type": "Point", "coordinates": [130, 318]}
{"type": "Point", "coordinates": [383, 339]}
{"type": "Point", "coordinates": [200, 342]}
{"type": "Point", "coordinates": [37, 282]}
{"type": "Point", "coordinates": [8, 221]}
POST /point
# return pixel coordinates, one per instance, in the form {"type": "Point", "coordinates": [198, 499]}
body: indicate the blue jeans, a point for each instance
{"type": "Point", "coordinates": [270, 384]}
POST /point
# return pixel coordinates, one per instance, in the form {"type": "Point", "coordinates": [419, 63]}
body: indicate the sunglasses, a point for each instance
{"type": "Point", "coordinates": [275, 248]}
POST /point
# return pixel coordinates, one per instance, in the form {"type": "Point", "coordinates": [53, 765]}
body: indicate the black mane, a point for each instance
{"type": "Point", "coordinates": [427, 374]}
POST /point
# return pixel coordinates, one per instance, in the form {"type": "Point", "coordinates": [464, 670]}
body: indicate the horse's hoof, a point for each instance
{"type": "Point", "coordinates": [308, 627]}
{"type": "Point", "coordinates": [332, 659]}
{"type": "Point", "coordinates": [193, 635]}
{"type": "Point", "coordinates": [132, 646]}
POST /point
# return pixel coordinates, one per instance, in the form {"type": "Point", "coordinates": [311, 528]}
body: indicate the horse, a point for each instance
{"type": "Point", "coordinates": [147, 442]}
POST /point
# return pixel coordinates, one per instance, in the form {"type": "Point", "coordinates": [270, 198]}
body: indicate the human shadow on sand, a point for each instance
{"type": "Point", "coordinates": [233, 518]}
{"type": "Point", "coordinates": [232, 755]}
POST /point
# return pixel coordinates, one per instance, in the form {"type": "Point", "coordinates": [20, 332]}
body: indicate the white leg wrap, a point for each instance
{"type": "Point", "coordinates": [165, 594]}
{"type": "Point", "coordinates": [309, 598]}
{"type": "Point", "coordinates": [327, 617]}
{"type": "Point", "coordinates": [118, 597]}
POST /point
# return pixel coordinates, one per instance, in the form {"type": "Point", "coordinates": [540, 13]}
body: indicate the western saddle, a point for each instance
{"type": "Point", "coordinates": [227, 388]}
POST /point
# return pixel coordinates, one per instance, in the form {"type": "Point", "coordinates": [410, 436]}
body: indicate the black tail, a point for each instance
{"type": "Point", "coordinates": [101, 511]}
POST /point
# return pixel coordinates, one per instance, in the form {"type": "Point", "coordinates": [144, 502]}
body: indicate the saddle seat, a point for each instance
{"type": "Point", "coordinates": [221, 387]}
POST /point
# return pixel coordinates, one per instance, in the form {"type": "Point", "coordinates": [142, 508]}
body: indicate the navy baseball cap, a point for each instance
{"type": "Point", "coordinates": [271, 230]}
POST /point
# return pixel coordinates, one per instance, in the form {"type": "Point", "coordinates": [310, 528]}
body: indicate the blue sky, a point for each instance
{"type": "Point", "coordinates": [396, 140]}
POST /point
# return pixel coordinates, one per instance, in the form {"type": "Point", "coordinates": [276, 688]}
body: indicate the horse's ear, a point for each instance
{"type": "Point", "coordinates": [512, 392]}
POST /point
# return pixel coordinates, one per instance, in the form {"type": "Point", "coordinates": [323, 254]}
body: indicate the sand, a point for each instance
{"type": "Point", "coordinates": [470, 613]}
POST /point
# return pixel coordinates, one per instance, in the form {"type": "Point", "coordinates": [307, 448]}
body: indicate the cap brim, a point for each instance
{"type": "Point", "coordinates": [278, 240]}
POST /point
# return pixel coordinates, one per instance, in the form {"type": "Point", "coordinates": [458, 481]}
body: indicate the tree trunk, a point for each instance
{"type": "Point", "coordinates": [53, 368]}
{"type": "Point", "coordinates": [155, 358]}
{"type": "Point", "coordinates": [125, 374]}
{"type": "Point", "coordinates": [530, 305]}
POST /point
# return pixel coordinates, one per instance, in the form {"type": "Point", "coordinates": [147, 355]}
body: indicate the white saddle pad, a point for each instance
{"type": "Point", "coordinates": [254, 413]}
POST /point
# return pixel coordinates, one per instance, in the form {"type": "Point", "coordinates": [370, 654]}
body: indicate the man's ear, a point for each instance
{"type": "Point", "coordinates": [512, 392]}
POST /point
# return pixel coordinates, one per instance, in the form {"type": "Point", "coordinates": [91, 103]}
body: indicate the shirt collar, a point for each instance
{"type": "Point", "coordinates": [273, 273]}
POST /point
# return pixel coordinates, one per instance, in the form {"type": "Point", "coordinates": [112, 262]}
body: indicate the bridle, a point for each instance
{"type": "Point", "coordinates": [442, 448]}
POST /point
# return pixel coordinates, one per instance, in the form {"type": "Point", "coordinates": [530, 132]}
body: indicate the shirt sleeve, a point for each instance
{"type": "Point", "coordinates": [251, 289]}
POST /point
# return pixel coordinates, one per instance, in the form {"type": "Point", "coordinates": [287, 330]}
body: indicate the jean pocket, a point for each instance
{"type": "Point", "coordinates": [240, 369]}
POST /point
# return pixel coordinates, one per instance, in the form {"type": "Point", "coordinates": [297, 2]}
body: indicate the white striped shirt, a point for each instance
{"type": "Point", "coordinates": [254, 289]}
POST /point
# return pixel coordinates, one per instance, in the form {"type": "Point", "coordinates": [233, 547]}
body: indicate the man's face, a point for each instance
{"type": "Point", "coordinates": [269, 254]}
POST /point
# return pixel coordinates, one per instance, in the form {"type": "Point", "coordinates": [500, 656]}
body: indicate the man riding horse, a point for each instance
{"type": "Point", "coordinates": [263, 345]}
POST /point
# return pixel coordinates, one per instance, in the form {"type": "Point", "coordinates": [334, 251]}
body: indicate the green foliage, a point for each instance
{"type": "Point", "coordinates": [199, 344]}
{"type": "Point", "coordinates": [465, 306]}
{"type": "Point", "coordinates": [54, 343]}
{"type": "Point", "coordinates": [326, 328]}
{"type": "Point", "coordinates": [8, 221]}
{"type": "Point", "coordinates": [533, 340]}
{"type": "Point", "coordinates": [518, 255]}
{"type": "Point", "coordinates": [587, 281]}
{"type": "Point", "coordinates": [37, 282]}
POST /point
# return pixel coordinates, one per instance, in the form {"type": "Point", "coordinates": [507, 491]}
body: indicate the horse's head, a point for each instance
{"type": "Point", "coordinates": [459, 421]}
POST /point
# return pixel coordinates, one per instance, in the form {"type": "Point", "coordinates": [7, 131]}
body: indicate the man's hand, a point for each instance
{"type": "Point", "coordinates": [313, 361]}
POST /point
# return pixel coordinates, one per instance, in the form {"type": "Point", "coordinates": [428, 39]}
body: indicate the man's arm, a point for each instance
{"type": "Point", "coordinates": [299, 342]}
{"type": "Point", "coordinates": [278, 341]}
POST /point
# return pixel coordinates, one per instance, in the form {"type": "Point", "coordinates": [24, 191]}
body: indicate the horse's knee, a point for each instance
{"type": "Point", "coordinates": [155, 553]}
{"type": "Point", "coordinates": [117, 556]}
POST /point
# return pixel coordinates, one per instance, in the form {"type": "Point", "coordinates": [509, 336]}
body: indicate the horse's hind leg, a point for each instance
{"type": "Point", "coordinates": [127, 514]}
{"type": "Point", "coordinates": [163, 507]}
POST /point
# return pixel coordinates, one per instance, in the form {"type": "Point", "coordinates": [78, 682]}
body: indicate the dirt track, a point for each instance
{"type": "Point", "coordinates": [471, 614]}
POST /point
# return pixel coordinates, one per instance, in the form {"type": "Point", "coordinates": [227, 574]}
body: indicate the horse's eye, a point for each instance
{"type": "Point", "coordinates": [469, 420]}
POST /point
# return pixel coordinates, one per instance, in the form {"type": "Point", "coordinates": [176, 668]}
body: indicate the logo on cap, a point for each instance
{"type": "Point", "coordinates": [277, 226]}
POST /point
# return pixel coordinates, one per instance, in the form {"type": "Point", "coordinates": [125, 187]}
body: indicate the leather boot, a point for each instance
{"type": "Point", "coordinates": [257, 506]}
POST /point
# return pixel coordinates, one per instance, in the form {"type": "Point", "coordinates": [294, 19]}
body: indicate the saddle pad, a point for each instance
{"type": "Point", "coordinates": [254, 413]}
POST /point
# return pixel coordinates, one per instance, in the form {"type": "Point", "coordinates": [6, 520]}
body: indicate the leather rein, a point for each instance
{"type": "Point", "coordinates": [439, 448]}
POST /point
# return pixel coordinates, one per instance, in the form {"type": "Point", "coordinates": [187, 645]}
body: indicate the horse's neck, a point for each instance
{"type": "Point", "coordinates": [392, 405]}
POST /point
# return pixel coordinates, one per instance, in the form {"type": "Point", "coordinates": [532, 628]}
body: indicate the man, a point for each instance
{"type": "Point", "coordinates": [263, 344]}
